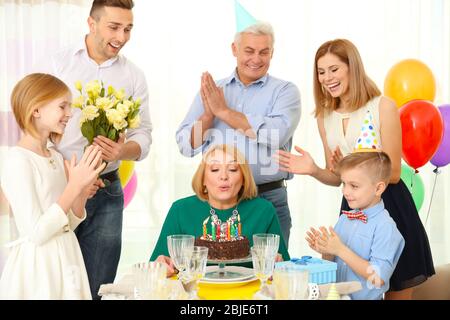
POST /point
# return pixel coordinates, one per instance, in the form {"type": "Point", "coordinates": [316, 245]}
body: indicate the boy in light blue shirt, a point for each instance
{"type": "Point", "coordinates": [365, 242]}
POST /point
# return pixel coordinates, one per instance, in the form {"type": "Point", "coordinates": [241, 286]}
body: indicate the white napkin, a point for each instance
{"type": "Point", "coordinates": [124, 290]}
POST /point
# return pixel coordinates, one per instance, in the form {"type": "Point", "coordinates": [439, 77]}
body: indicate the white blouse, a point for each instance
{"type": "Point", "coordinates": [46, 261]}
{"type": "Point", "coordinates": [333, 124]}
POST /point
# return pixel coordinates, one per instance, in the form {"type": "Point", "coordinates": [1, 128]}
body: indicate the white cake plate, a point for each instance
{"type": "Point", "coordinates": [222, 272]}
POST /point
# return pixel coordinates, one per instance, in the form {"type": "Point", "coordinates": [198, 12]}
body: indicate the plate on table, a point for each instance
{"type": "Point", "coordinates": [241, 260]}
{"type": "Point", "coordinates": [228, 274]}
{"type": "Point", "coordinates": [226, 284]}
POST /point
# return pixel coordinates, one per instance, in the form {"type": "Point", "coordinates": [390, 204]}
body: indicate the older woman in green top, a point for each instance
{"type": "Point", "coordinates": [223, 182]}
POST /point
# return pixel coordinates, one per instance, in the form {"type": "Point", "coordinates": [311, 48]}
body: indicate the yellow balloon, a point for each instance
{"type": "Point", "coordinates": [126, 169]}
{"type": "Point", "coordinates": [408, 80]}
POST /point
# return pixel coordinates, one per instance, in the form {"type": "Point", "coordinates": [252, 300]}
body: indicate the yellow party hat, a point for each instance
{"type": "Point", "coordinates": [333, 294]}
{"type": "Point", "coordinates": [368, 140]}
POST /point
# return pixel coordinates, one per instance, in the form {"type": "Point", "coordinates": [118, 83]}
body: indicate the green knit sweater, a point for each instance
{"type": "Point", "coordinates": [186, 216]}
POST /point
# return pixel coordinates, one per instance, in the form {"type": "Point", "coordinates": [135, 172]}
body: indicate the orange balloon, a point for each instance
{"type": "Point", "coordinates": [408, 80]}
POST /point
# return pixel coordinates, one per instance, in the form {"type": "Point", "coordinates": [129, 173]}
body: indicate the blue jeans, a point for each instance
{"type": "Point", "coordinates": [278, 197]}
{"type": "Point", "coordinates": [100, 235]}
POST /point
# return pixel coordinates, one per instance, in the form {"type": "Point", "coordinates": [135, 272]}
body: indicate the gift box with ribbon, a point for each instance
{"type": "Point", "coordinates": [320, 271]}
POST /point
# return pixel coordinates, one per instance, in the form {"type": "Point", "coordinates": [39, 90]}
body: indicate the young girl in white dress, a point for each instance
{"type": "Point", "coordinates": [47, 196]}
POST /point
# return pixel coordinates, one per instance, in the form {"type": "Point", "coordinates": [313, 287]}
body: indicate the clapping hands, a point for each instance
{"type": "Point", "coordinates": [336, 157]}
{"type": "Point", "coordinates": [213, 97]}
{"type": "Point", "coordinates": [83, 174]}
{"type": "Point", "coordinates": [324, 241]}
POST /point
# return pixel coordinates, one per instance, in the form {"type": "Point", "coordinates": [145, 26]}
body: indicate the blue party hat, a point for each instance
{"type": "Point", "coordinates": [243, 18]}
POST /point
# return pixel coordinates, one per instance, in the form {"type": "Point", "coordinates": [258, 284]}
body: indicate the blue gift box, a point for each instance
{"type": "Point", "coordinates": [320, 271]}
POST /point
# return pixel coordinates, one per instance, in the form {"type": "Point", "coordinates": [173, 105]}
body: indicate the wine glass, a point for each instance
{"type": "Point", "coordinates": [264, 253]}
{"type": "Point", "coordinates": [263, 264]}
{"type": "Point", "coordinates": [268, 241]}
{"type": "Point", "coordinates": [195, 269]}
{"type": "Point", "coordinates": [180, 247]}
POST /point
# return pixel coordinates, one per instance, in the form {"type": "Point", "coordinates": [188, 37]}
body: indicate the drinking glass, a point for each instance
{"type": "Point", "coordinates": [180, 247]}
{"type": "Point", "coordinates": [149, 280]}
{"type": "Point", "coordinates": [263, 264]}
{"type": "Point", "coordinates": [290, 284]}
{"type": "Point", "coordinates": [195, 269]}
{"type": "Point", "coordinates": [267, 241]}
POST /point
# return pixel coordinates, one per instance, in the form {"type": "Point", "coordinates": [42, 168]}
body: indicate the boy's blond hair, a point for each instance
{"type": "Point", "coordinates": [377, 165]}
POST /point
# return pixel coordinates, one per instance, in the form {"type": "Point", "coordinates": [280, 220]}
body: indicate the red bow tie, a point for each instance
{"type": "Point", "coordinates": [359, 215]}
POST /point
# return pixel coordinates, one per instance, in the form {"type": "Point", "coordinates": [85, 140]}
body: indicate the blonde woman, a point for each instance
{"type": "Point", "coordinates": [223, 182]}
{"type": "Point", "coordinates": [344, 94]}
{"type": "Point", "coordinates": [46, 261]}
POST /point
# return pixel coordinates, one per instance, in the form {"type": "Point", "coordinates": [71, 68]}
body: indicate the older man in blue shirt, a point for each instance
{"type": "Point", "coordinates": [251, 109]}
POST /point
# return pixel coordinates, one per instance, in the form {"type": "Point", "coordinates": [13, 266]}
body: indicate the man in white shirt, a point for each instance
{"type": "Point", "coordinates": [97, 57]}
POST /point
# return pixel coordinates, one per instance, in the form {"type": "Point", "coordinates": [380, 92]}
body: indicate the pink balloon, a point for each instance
{"type": "Point", "coordinates": [129, 190]}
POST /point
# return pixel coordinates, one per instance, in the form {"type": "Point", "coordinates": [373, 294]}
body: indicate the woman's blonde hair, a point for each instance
{"type": "Point", "coordinates": [32, 92]}
{"type": "Point", "coordinates": [361, 88]}
{"type": "Point", "coordinates": [248, 189]}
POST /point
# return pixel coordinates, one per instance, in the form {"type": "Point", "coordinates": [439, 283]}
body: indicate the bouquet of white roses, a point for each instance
{"type": "Point", "coordinates": [105, 112]}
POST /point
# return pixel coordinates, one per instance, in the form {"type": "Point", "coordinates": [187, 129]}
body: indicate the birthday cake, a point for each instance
{"type": "Point", "coordinates": [224, 240]}
{"type": "Point", "coordinates": [237, 248]}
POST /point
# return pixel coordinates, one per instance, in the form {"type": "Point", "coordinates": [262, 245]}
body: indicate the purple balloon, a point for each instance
{"type": "Point", "coordinates": [442, 156]}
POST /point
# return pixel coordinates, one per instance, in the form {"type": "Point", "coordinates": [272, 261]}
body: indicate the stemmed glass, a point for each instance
{"type": "Point", "coordinates": [180, 248]}
{"type": "Point", "coordinates": [268, 241]}
{"type": "Point", "coordinates": [195, 269]}
{"type": "Point", "coordinates": [263, 264]}
{"type": "Point", "coordinates": [264, 253]}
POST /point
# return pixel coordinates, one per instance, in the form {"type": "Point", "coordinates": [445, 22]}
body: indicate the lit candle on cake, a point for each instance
{"type": "Point", "coordinates": [228, 231]}
{"type": "Point", "coordinates": [213, 231]}
{"type": "Point", "coordinates": [218, 231]}
{"type": "Point", "coordinates": [236, 235]}
{"type": "Point", "coordinates": [204, 227]}
{"type": "Point", "coordinates": [239, 226]}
